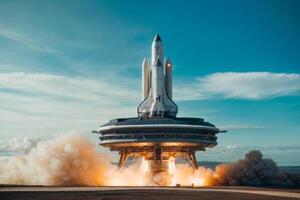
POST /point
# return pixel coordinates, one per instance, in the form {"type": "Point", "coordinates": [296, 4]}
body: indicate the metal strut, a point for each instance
{"type": "Point", "coordinates": [123, 158]}
{"type": "Point", "coordinates": [192, 159]}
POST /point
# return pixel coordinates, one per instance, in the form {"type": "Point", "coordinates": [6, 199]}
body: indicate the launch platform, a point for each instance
{"type": "Point", "coordinates": [157, 135]}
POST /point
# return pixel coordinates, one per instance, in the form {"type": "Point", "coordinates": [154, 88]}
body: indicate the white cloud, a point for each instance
{"type": "Point", "coordinates": [48, 104]}
{"type": "Point", "coordinates": [69, 88]}
{"type": "Point", "coordinates": [25, 40]}
{"type": "Point", "coordinates": [238, 127]}
{"type": "Point", "coordinates": [249, 85]}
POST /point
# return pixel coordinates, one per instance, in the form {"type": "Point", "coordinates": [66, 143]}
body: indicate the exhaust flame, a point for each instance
{"type": "Point", "coordinates": [171, 165]}
{"type": "Point", "coordinates": [73, 160]}
{"type": "Point", "coordinates": [145, 165]}
{"type": "Point", "coordinates": [198, 182]}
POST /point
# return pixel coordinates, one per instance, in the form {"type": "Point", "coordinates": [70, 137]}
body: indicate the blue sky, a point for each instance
{"type": "Point", "coordinates": [72, 65]}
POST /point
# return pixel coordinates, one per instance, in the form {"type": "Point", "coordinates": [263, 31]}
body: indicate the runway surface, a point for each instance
{"type": "Point", "coordinates": [145, 193]}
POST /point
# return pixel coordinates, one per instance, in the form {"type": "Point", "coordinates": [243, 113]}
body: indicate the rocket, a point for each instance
{"type": "Point", "coordinates": [157, 134]}
{"type": "Point", "coordinates": [157, 85]}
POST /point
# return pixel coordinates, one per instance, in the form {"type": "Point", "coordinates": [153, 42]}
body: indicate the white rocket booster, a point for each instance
{"type": "Point", "coordinates": [146, 78]}
{"type": "Point", "coordinates": [168, 74]}
{"type": "Point", "coordinates": [157, 85]}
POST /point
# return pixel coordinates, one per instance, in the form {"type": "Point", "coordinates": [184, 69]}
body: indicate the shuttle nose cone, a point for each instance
{"type": "Point", "coordinates": [157, 38]}
{"type": "Point", "coordinates": [157, 62]}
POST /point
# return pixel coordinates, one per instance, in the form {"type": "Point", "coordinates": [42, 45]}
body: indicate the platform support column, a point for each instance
{"type": "Point", "coordinates": [157, 154]}
{"type": "Point", "coordinates": [192, 159]}
{"type": "Point", "coordinates": [123, 158]}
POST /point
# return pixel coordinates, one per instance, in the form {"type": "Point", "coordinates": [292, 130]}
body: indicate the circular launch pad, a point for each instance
{"type": "Point", "coordinates": [158, 139]}
{"type": "Point", "coordinates": [166, 131]}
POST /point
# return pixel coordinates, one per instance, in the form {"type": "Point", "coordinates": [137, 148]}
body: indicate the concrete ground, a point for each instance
{"type": "Point", "coordinates": [145, 193]}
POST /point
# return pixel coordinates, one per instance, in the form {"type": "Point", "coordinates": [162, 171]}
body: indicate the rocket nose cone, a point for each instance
{"type": "Point", "coordinates": [157, 38]}
{"type": "Point", "coordinates": [145, 62]}
{"type": "Point", "coordinates": [168, 63]}
{"type": "Point", "coordinates": [168, 60]}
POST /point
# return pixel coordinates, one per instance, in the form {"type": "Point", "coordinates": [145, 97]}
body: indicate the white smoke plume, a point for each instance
{"type": "Point", "coordinates": [71, 160]}
{"type": "Point", "coordinates": [18, 145]}
{"type": "Point", "coordinates": [67, 160]}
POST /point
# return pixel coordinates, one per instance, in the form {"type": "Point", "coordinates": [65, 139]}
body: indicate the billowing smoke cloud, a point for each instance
{"type": "Point", "coordinates": [72, 159]}
{"type": "Point", "coordinates": [253, 170]}
{"type": "Point", "coordinates": [67, 160]}
{"type": "Point", "coordinates": [18, 145]}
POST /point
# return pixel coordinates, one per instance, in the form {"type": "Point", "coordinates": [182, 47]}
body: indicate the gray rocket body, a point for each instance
{"type": "Point", "coordinates": [157, 85]}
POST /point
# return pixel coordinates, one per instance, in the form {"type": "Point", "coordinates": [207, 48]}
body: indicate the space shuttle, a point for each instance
{"type": "Point", "coordinates": [157, 85]}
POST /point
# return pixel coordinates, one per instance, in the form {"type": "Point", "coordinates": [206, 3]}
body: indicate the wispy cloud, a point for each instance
{"type": "Point", "coordinates": [238, 127]}
{"type": "Point", "coordinates": [47, 104]}
{"type": "Point", "coordinates": [67, 88]}
{"type": "Point", "coordinates": [25, 40]}
{"type": "Point", "coordinates": [235, 85]}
